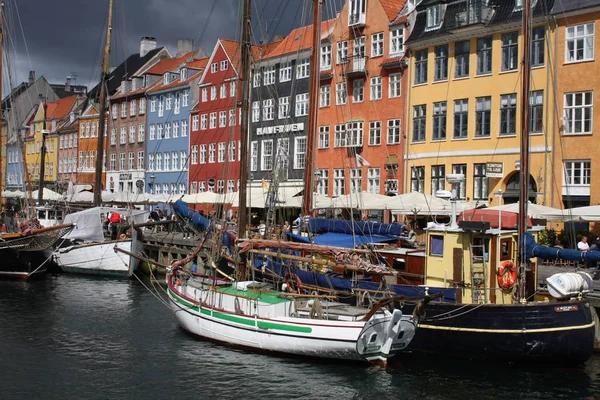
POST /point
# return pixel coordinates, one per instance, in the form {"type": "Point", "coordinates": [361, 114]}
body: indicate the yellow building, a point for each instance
{"type": "Point", "coordinates": [49, 114]}
{"type": "Point", "coordinates": [464, 100]}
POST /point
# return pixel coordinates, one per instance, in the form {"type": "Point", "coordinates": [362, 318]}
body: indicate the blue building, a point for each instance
{"type": "Point", "coordinates": [168, 124]}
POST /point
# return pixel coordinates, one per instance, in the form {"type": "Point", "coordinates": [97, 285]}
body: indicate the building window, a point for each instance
{"type": "Point", "coordinates": [231, 151]}
{"type": "Point", "coordinates": [202, 154]}
{"type": "Point", "coordinates": [419, 123]}
{"type": "Point", "coordinates": [213, 92]}
{"type": "Point", "coordinates": [222, 119]}
{"type": "Point", "coordinates": [213, 121]}
{"type": "Point", "coordinates": [232, 89]}
{"type": "Point", "coordinates": [300, 152]}
{"type": "Point", "coordinates": [438, 177]}
{"type": "Point", "coordinates": [397, 41]}
{"type": "Point", "coordinates": [132, 108]}
{"type": "Point", "coordinates": [480, 182]}
{"type": "Point", "coordinates": [194, 187]}
{"type": "Point", "coordinates": [439, 121]}
{"type": "Point", "coordinates": [268, 113]}
{"type": "Point", "coordinates": [462, 52]}
{"type": "Point", "coordinates": [167, 130]}
{"type": "Point", "coordinates": [339, 182]}
{"type": "Point", "coordinates": [536, 102]}
{"type": "Point", "coordinates": [266, 162]}
{"type": "Point", "coordinates": [184, 99]}
{"type": "Point", "coordinates": [131, 160]}
{"type": "Point", "coordinates": [232, 117]}
{"type": "Point", "coordinates": [168, 102]}
{"type": "Point", "coordinates": [140, 160]}
{"type": "Point", "coordinates": [123, 138]}
{"type": "Point", "coordinates": [175, 161]}
{"type": "Point", "coordinates": [538, 46]}
{"type": "Point", "coordinates": [510, 51]}
{"type": "Point", "coordinates": [221, 153]}
{"type": "Point", "coordinates": [373, 180]}
{"type": "Point", "coordinates": [152, 132]}
{"type": "Point", "coordinates": [417, 179]}
{"type": "Point", "coordinates": [325, 56]}
{"type": "Point", "coordinates": [393, 131]}
{"type": "Point", "coordinates": [340, 93]}
{"type": "Point", "coordinates": [132, 134]}
{"type": "Point", "coordinates": [377, 44]}
{"type": "Point", "coordinates": [113, 162]}
{"type": "Point", "coordinates": [355, 180]}
{"type": "Point", "coordinates": [223, 91]}
{"type": "Point", "coordinates": [324, 137]}
{"type": "Point", "coordinates": [255, 111]}
{"type": "Point", "coordinates": [436, 245]}
{"type": "Point", "coordinates": [441, 63]}
{"type": "Point", "coordinates": [394, 85]}
{"type": "Point", "coordinates": [355, 133]}
{"type": "Point", "coordinates": [284, 107]}
{"type": "Point", "coordinates": [220, 186]}
{"type": "Point", "coordinates": [421, 66]}
{"type": "Point", "coordinates": [323, 185]}
{"type": "Point", "coordinates": [340, 135]}
{"type": "Point", "coordinates": [358, 90]}
{"type": "Point", "coordinates": [483, 110]}
{"type": "Point", "coordinates": [301, 104]}
{"type": "Point", "coordinates": [141, 133]}
{"type": "Point", "coordinates": [359, 53]}
{"type": "Point", "coordinates": [508, 114]}
{"type": "Point", "coordinates": [303, 68]}
{"type": "Point", "coordinates": [212, 150]}
{"type": "Point", "coordinates": [114, 111]}
{"type": "Point", "coordinates": [374, 133]}
{"type": "Point", "coordinates": [195, 154]}
{"type": "Point", "coordinates": [434, 16]}
{"type": "Point", "coordinates": [159, 131]}
{"type": "Point", "coordinates": [123, 109]}
{"type": "Point", "coordinates": [577, 173]}
{"type": "Point", "coordinates": [578, 112]}
{"type": "Point", "coordinates": [167, 158]}
{"type": "Point", "coordinates": [204, 94]}
{"type": "Point", "coordinates": [484, 55]}
{"type": "Point", "coordinates": [580, 43]}
{"type": "Point", "coordinates": [269, 75]}
{"type": "Point", "coordinates": [254, 156]}
{"type": "Point", "coordinates": [462, 187]}
{"type": "Point", "coordinates": [184, 128]}
{"type": "Point", "coordinates": [461, 118]}
{"type": "Point", "coordinates": [325, 96]}
{"type": "Point", "coordinates": [203, 122]}
{"type": "Point", "coordinates": [285, 72]}
{"type": "Point", "coordinates": [214, 67]}
{"type": "Point", "coordinates": [224, 65]}
{"type": "Point", "coordinates": [342, 52]}
{"type": "Point", "coordinates": [161, 106]}
{"type": "Point", "coordinates": [376, 88]}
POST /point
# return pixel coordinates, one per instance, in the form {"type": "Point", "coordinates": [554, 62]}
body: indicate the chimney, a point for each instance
{"type": "Point", "coordinates": [184, 46]}
{"type": "Point", "coordinates": [147, 44]}
{"type": "Point", "coordinates": [68, 84]}
{"type": "Point", "coordinates": [31, 77]}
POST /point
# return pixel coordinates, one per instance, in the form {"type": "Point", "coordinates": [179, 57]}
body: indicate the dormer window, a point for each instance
{"type": "Point", "coordinates": [167, 78]}
{"type": "Point", "coordinates": [434, 16]}
{"type": "Point", "coordinates": [183, 74]}
{"type": "Point", "coordinates": [357, 10]}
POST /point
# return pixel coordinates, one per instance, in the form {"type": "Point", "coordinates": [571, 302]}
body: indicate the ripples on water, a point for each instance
{"type": "Point", "coordinates": [74, 337]}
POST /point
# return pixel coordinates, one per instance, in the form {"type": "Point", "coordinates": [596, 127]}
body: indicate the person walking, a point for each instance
{"type": "Point", "coordinates": [115, 219]}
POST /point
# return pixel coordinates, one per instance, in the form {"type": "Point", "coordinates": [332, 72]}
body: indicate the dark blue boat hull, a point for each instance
{"type": "Point", "coordinates": [557, 333]}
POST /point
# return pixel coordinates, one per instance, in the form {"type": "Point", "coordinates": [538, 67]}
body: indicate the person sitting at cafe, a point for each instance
{"type": "Point", "coordinates": [583, 244]}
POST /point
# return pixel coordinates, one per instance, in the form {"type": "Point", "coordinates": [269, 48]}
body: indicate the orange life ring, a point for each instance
{"type": "Point", "coordinates": [507, 275]}
{"type": "Point", "coordinates": [123, 236]}
{"type": "Point", "coordinates": [289, 279]}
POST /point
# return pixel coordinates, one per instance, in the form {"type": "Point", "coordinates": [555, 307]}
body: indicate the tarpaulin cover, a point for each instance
{"type": "Point", "coordinates": [331, 282]}
{"type": "Point", "coordinates": [323, 225]}
{"type": "Point", "coordinates": [509, 219]}
{"type": "Point", "coordinates": [551, 253]}
{"type": "Point", "coordinates": [183, 210]}
{"type": "Point", "coordinates": [341, 239]}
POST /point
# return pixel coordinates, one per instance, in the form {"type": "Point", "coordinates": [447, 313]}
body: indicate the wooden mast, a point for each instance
{"type": "Point", "coordinates": [2, 168]}
{"type": "Point", "coordinates": [524, 169]}
{"type": "Point", "coordinates": [102, 111]}
{"type": "Point", "coordinates": [42, 154]}
{"type": "Point", "coordinates": [314, 108]}
{"type": "Point", "coordinates": [245, 79]}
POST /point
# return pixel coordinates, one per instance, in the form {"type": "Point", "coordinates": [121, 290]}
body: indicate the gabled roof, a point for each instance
{"type": "Point", "coordinates": [177, 82]}
{"type": "Point", "coordinates": [392, 8]}
{"type": "Point", "coordinates": [135, 92]}
{"type": "Point", "coordinates": [124, 71]}
{"type": "Point", "coordinates": [170, 64]}
{"type": "Point", "coordinates": [503, 11]}
{"type": "Point", "coordinates": [572, 5]}
{"type": "Point", "coordinates": [91, 110]}
{"type": "Point", "coordinates": [58, 109]}
{"type": "Point", "coordinates": [299, 39]}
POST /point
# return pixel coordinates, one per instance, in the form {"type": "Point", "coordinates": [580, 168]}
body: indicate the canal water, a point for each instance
{"type": "Point", "coordinates": [71, 337]}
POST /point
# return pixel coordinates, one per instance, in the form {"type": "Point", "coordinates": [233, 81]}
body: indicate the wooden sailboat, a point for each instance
{"type": "Point", "coordinates": [85, 249]}
{"type": "Point", "coordinates": [25, 254]}
{"type": "Point", "coordinates": [256, 315]}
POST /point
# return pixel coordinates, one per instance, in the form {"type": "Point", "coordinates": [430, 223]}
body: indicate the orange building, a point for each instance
{"type": "Point", "coordinates": [87, 146]}
{"type": "Point", "coordinates": [361, 99]}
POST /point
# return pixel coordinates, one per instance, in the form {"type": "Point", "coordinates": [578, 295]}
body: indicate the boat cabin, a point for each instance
{"type": "Point", "coordinates": [479, 258]}
{"type": "Point", "coordinates": [49, 215]}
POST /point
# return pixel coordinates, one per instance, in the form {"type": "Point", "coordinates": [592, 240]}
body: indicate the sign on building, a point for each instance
{"type": "Point", "coordinates": [494, 170]}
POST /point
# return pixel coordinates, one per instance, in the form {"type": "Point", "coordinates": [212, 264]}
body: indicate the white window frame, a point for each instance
{"type": "Point", "coordinates": [584, 41]}
{"type": "Point", "coordinates": [377, 44]}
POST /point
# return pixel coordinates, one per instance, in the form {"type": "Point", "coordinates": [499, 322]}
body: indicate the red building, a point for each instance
{"type": "Point", "coordinates": [215, 123]}
{"type": "Point", "coordinates": [361, 139]}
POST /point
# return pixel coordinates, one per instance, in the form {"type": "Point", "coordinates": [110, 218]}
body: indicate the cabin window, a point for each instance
{"type": "Point", "coordinates": [505, 249]}
{"type": "Point", "coordinates": [436, 245]}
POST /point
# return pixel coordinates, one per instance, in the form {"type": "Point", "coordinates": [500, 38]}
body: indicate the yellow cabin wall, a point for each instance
{"type": "Point", "coordinates": [472, 150]}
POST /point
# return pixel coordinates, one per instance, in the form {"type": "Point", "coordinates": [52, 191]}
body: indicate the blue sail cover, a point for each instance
{"type": "Point", "coordinates": [342, 284]}
{"type": "Point", "coordinates": [341, 239]}
{"type": "Point", "coordinates": [551, 253]}
{"type": "Point", "coordinates": [323, 225]}
{"type": "Point", "coordinates": [181, 208]}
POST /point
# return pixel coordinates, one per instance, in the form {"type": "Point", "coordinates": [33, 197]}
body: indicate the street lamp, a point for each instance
{"type": "Point", "coordinates": [499, 194]}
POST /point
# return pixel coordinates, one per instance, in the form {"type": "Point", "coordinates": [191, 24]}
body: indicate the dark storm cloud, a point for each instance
{"type": "Point", "coordinates": [65, 37]}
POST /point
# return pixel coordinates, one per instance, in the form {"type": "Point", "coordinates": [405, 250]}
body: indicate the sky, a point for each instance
{"type": "Point", "coordinates": [60, 38]}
